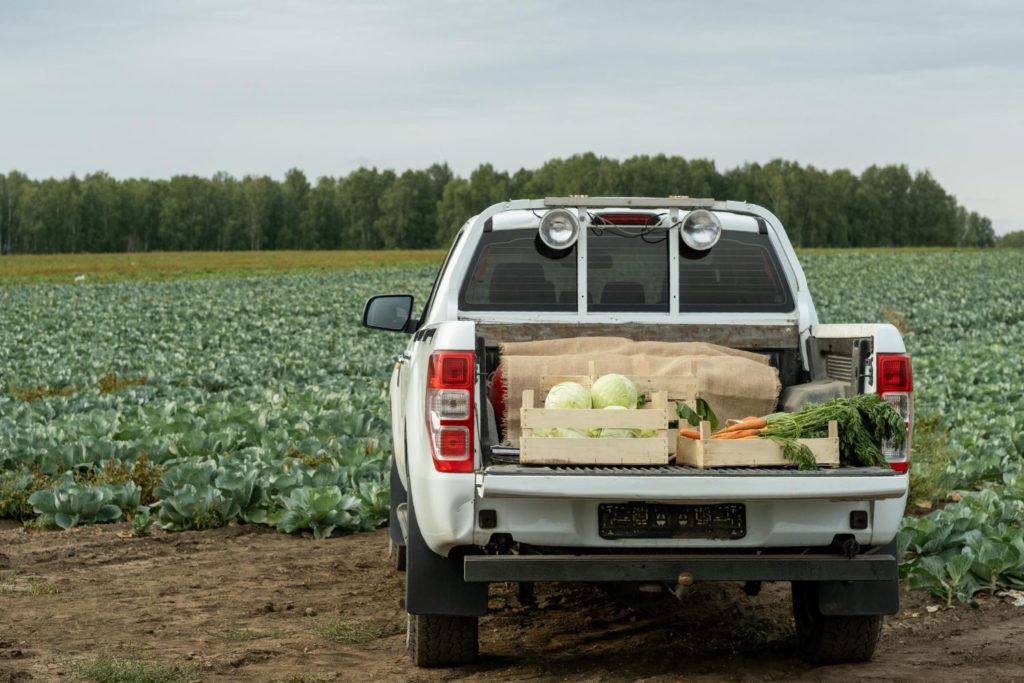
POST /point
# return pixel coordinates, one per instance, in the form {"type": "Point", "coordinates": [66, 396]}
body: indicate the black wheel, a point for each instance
{"type": "Point", "coordinates": [396, 555]}
{"type": "Point", "coordinates": [441, 639]}
{"type": "Point", "coordinates": [831, 639]}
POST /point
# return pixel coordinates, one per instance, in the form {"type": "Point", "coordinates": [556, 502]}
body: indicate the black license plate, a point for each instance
{"type": "Point", "coordinates": [656, 520]}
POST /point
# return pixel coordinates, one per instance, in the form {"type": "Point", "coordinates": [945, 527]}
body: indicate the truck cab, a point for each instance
{"type": "Point", "coordinates": [466, 513]}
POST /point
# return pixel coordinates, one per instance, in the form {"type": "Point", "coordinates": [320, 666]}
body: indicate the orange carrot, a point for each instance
{"type": "Point", "coordinates": [690, 433]}
{"type": "Point", "coordinates": [736, 434]}
{"type": "Point", "coordinates": [744, 424]}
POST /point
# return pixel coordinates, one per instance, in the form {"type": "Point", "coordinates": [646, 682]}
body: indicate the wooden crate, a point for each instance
{"type": "Point", "coordinates": [676, 388]}
{"type": "Point", "coordinates": [708, 452]}
{"type": "Point", "coordinates": [542, 450]}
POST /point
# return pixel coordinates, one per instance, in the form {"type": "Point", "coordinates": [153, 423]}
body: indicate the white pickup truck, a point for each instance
{"type": "Point", "coordinates": [465, 513]}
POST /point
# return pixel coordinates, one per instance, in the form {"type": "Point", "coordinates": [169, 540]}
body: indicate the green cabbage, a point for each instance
{"type": "Point", "coordinates": [560, 433]}
{"type": "Point", "coordinates": [613, 390]}
{"type": "Point", "coordinates": [565, 396]}
{"type": "Point", "coordinates": [614, 433]}
{"type": "Point", "coordinates": [568, 395]}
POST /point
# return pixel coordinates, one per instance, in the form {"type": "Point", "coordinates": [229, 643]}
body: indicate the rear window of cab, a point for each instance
{"type": "Point", "coordinates": [627, 271]}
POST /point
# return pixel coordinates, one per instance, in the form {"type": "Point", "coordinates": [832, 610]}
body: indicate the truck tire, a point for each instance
{"type": "Point", "coordinates": [441, 639]}
{"type": "Point", "coordinates": [396, 555]}
{"type": "Point", "coordinates": [831, 639]}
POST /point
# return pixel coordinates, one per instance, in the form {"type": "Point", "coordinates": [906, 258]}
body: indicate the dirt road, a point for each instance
{"type": "Point", "coordinates": [244, 603]}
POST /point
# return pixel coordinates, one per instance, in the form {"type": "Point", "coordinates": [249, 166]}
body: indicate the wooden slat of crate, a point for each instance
{"type": "Point", "coordinates": [538, 450]}
{"type": "Point", "coordinates": [546, 418]}
{"type": "Point", "coordinates": [534, 450]}
{"type": "Point", "coordinates": [708, 452]}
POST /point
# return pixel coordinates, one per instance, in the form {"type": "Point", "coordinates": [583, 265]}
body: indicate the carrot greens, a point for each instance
{"type": "Point", "coordinates": [865, 423]}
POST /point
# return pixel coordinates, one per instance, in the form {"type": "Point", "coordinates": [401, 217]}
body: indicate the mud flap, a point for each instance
{"type": "Point", "coordinates": [435, 584]}
{"type": "Point", "coordinates": [397, 498]}
{"type": "Point", "coordinates": [860, 598]}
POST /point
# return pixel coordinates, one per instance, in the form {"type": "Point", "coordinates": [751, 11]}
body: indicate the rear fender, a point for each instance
{"type": "Point", "coordinates": [445, 508]}
{"type": "Point", "coordinates": [435, 584]}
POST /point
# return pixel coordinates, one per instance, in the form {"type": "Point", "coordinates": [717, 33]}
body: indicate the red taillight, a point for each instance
{"type": "Point", "coordinates": [449, 410]}
{"type": "Point", "coordinates": [454, 442]}
{"type": "Point", "coordinates": [894, 374]}
{"type": "Point", "coordinates": [895, 383]}
{"type": "Point", "coordinates": [450, 369]}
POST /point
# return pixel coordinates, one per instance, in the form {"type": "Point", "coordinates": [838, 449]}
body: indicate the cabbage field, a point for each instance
{"type": "Point", "coordinates": [253, 398]}
{"type": "Point", "coordinates": [963, 319]}
{"type": "Point", "coordinates": [194, 402]}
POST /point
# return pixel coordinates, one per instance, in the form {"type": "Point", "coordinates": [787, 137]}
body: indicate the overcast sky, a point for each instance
{"type": "Point", "coordinates": [160, 88]}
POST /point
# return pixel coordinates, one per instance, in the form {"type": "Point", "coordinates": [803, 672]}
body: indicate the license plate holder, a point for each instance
{"type": "Point", "coordinates": [637, 519]}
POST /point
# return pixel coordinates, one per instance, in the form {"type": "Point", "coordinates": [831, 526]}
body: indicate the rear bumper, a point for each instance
{"type": "Point", "coordinates": [669, 568]}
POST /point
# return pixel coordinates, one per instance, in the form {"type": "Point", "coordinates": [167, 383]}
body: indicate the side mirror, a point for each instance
{"type": "Point", "coordinates": [390, 312]}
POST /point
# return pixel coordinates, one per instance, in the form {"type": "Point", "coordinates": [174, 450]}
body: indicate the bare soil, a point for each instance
{"type": "Point", "coordinates": [244, 603]}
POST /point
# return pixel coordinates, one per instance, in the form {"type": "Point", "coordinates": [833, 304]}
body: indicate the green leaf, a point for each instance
{"type": "Point", "coordinates": [686, 413]}
{"type": "Point", "coordinates": [705, 413]}
{"type": "Point", "coordinates": [291, 521]}
{"type": "Point", "coordinates": [108, 513]}
{"type": "Point", "coordinates": [960, 565]}
{"type": "Point", "coordinates": [43, 502]}
{"type": "Point", "coordinates": [323, 500]}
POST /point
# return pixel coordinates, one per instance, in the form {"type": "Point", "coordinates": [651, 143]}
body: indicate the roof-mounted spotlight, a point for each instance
{"type": "Point", "coordinates": [700, 230]}
{"type": "Point", "coordinates": [559, 229]}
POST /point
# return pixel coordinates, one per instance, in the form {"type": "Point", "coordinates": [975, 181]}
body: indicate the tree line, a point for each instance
{"type": "Point", "coordinates": [1013, 239]}
{"type": "Point", "coordinates": [382, 209]}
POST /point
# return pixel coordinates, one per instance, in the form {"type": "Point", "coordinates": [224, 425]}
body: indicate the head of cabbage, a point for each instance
{"type": "Point", "coordinates": [568, 395]}
{"type": "Point", "coordinates": [613, 390]}
{"type": "Point", "coordinates": [613, 432]}
{"type": "Point", "coordinates": [565, 396]}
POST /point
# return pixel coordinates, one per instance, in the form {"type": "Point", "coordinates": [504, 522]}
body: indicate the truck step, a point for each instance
{"type": "Point", "coordinates": [680, 568]}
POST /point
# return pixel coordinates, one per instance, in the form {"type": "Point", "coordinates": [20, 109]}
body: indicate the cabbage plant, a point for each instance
{"type": "Point", "coordinates": [322, 509]}
{"type": "Point", "coordinates": [190, 507]}
{"type": "Point", "coordinates": [71, 504]}
{"type": "Point", "coordinates": [142, 521]}
{"type": "Point", "coordinates": [241, 484]}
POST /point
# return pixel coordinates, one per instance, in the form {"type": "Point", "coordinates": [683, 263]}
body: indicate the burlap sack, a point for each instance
{"type": "Point", "coordinates": [622, 346]}
{"type": "Point", "coordinates": [734, 383]}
